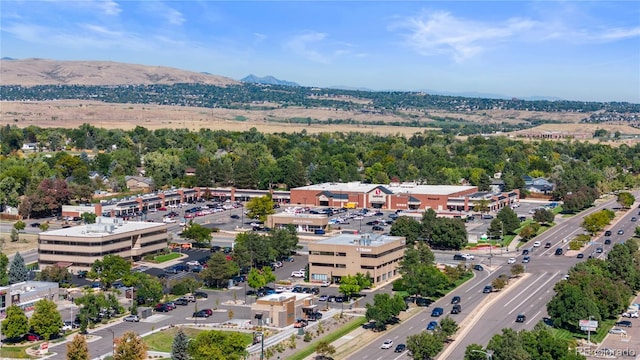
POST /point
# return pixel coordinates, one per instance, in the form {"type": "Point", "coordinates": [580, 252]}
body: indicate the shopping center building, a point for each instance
{"type": "Point", "coordinates": [400, 196]}
{"type": "Point", "coordinates": [78, 247]}
{"type": "Point", "coordinates": [349, 254]}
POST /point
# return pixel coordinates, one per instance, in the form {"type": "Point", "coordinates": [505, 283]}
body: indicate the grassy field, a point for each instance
{"type": "Point", "coordinates": [163, 340]}
{"type": "Point", "coordinates": [166, 257]}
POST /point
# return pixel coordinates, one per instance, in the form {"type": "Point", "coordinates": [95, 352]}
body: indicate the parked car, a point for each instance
{"type": "Point", "coordinates": [162, 308]}
{"type": "Point", "coordinates": [181, 302]}
{"type": "Point", "coordinates": [624, 323]}
{"type": "Point", "coordinates": [633, 315]}
{"type": "Point", "coordinates": [297, 274]}
{"type": "Point", "coordinates": [131, 318]}
{"type": "Point", "coordinates": [300, 323]}
{"type": "Point", "coordinates": [617, 331]}
{"type": "Point", "coordinates": [33, 337]}
{"type": "Point", "coordinates": [200, 294]}
{"type": "Point", "coordinates": [526, 259]}
{"type": "Point", "coordinates": [208, 311]}
{"type": "Point", "coordinates": [200, 314]}
{"type": "Point", "coordinates": [323, 298]}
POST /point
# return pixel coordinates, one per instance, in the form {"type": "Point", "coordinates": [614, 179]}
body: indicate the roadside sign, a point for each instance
{"type": "Point", "coordinates": [588, 325]}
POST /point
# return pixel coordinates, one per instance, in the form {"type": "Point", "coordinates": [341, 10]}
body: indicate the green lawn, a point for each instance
{"type": "Point", "coordinates": [345, 329]}
{"type": "Point", "coordinates": [166, 257]}
{"type": "Point", "coordinates": [14, 352]}
{"type": "Point", "coordinates": [163, 340]}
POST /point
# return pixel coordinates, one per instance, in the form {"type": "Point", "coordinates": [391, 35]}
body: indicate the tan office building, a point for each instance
{"type": "Point", "coordinates": [303, 222]}
{"type": "Point", "coordinates": [348, 254]}
{"type": "Point", "coordinates": [282, 309]}
{"type": "Point", "coordinates": [79, 246]}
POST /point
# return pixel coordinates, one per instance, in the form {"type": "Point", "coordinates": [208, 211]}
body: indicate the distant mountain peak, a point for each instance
{"type": "Point", "coordinates": [267, 80]}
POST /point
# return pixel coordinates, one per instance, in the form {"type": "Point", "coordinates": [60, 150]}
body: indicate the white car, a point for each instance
{"type": "Point", "coordinates": [387, 344]}
{"type": "Point", "coordinates": [468, 256]}
{"type": "Point", "coordinates": [325, 283]}
{"type": "Point", "coordinates": [297, 274]}
{"type": "Point", "coordinates": [511, 261]}
{"type": "Point", "coordinates": [537, 244]}
{"type": "Point", "coordinates": [617, 331]}
{"type": "Point", "coordinates": [168, 220]}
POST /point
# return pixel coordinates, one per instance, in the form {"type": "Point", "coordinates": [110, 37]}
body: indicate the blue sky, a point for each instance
{"type": "Point", "coordinates": [576, 50]}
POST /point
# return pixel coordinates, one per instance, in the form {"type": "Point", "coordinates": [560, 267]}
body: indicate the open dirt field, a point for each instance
{"type": "Point", "coordinates": [73, 113]}
{"type": "Point", "coordinates": [26, 242]}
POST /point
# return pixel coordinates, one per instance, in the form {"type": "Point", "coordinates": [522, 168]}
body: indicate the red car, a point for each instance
{"type": "Point", "coordinates": [162, 209]}
{"type": "Point", "coordinates": [33, 337]}
{"type": "Point", "coordinates": [208, 311]}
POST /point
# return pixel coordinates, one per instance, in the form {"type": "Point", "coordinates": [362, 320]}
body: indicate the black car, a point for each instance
{"type": "Point", "coordinates": [377, 228]}
{"type": "Point", "coordinates": [521, 318]}
{"type": "Point", "coordinates": [235, 216]}
{"type": "Point", "coordinates": [525, 252]}
{"type": "Point", "coordinates": [216, 248]}
{"type": "Point", "coordinates": [200, 294]}
{"type": "Point", "coordinates": [487, 289]}
{"type": "Point", "coordinates": [624, 323]}
{"type": "Point", "coordinates": [559, 251]}
{"type": "Point", "coordinates": [455, 300]}
{"type": "Point", "coordinates": [456, 309]}
{"type": "Point", "coordinates": [400, 348]}
{"type": "Point", "coordinates": [620, 232]}
{"type": "Point", "coordinates": [35, 224]}
{"type": "Point", "coordinates": [599, 250]}
{"type": "Point", "coordinates": [580, 256]}
{"type": "Point", "coordinates": [607, 233]}
{"type": "Point", "coordinates": [459, 257]}
{"type": "Point", "coordinates": [607, 241]}
{"type": "Point", "coordinates": [162, 308]}
{"type": "Point", "coordinates": [547, 245]}
{"type": "Point", "coordinates": [200, 314]}
{"type": "Point", "coordinates": [82, 274]}
{"type": "Point", "coordinates": [478, 268]}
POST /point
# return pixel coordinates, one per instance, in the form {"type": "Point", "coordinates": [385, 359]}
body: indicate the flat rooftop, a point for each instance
{"type": "Point", "coordinates": [285, 295]}
{"type": "Point", "coordinates": [396, 188]}
{"type": "Point", "coordinates": [105, 226]}
{"type": "Point", "coordinates": [360, 240]}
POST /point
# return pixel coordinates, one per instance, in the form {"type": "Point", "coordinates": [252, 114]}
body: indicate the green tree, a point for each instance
{"type": "Point", "coordinates": [197, 233]}
{"type": "Point", "coordinates": [44, 226]}
{"type": "Point", "coordinates": [384, 308]}
{"type": "Point", "coordinates": [180, 347]}
{"type": "Point", "coordinates": [255, 279]}
{"type": "Point", "coordinates": [325, 348]}
{"type": "Point", "coordinates": [475, 352]}
{"type": "Point", "coordinates": [424, 345]}
{"type": "Point", "coordinates": [130, 346]}
{"type": "Point", "coordinates": [517, 270]}
{"type": "Point", "coordinates": [219, 270]}
{"type": "Point", "coordinates": [147, 287]}
{"type": "Point", "coordinates": [500, 282]}
{"type": "Point", "coordinates": [570, 305]}
{"type": "Point", "coordinates": [543, 216]}
{"type": "Point", "coordinates": [259, 208]}
{"type": "Point", "coordinates": [528, 232]}
{"type": "Point", "coordinates": [349, 286]}
{"type": "Point", "coordinates": [408, 227]}
{"type": "Point", "coordinates": [46, 319]}
{"type": "Point", "coordinates": [15, 235]}
{"type": "Point", "coordinates": [77, 348]}
{"type": "Point", "coordinates": [109, 269]}
{"type": "Point", "coordinates": [4, 264]}
{"type": "Point", "coordinates": [447, 233]}
{"type": "Point", "coordinates": [626, 199]}
{"type": "Point", "coordinates": [16, 323]}
{"type": "Point", "coordinates": [19, 225]}
{"type": "Point", "coordinates": [508, 345]}
{"type": "Point", "coordinates": [364, 280]}
{"type": "Point", "coordinates": [509, 219]}
{"type": "Point", "coordinates": [54, 273]}
{"type": "Point", "coordinates": [18, 270]}
{"type": "Point", "coordinates": [448, 327]}
{"type": "Point", "coordinates": [89, 218]}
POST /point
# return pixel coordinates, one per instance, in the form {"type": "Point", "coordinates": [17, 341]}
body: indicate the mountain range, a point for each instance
{"type": "Point", "coordinates": [267, 80]}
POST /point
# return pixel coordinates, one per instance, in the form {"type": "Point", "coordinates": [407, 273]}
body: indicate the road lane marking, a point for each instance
{"type": "Point", "coordinates": [533, 317]}
{"type": "Point", "coordinates": [533, 293]}
{"type": "Point", "coordinates": [525, 289]}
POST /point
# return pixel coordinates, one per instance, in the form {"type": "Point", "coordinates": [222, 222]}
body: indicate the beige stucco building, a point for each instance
{"type": "Point", "coordinates": [303, 222]}
{"type": "Point", "coordinates": [349, 254]}
{"type": "Point", "coordinates": [282, 309]}
{"type": "Point", "coordinates": [80, 246]}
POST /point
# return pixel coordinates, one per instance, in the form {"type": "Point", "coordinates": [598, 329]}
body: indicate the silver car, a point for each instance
{"type": "Point", "coordinates": [617, 331]}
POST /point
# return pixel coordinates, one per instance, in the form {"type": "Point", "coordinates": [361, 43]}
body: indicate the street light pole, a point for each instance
{"type": "Point", "coordinates": [488, 354]}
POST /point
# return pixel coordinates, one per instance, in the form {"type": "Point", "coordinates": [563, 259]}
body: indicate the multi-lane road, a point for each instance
{"type": "Point", "coordinates": [484, 315]}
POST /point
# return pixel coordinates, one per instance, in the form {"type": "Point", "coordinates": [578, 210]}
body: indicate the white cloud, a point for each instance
{"type": "Point", "coordinates": [175, 17]}
{"type": "Point", "coordinates": [109, 7]}
{"type": "Point", "coordinates": [101, 30]}
{"type": "Point", "coordinates": [441, 33]}
{"type": "Point", "coordinates": [317, 47]}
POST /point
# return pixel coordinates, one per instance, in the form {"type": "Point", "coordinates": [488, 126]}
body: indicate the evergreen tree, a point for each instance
{"type": "Point", "coordinates": [77, 348]}
{"type": "Point", "coordinates": [4, 264]}
{"type": "Point", "coordinates": [179, 350]}
{"type": "Point", "coordinates": [18, 270]}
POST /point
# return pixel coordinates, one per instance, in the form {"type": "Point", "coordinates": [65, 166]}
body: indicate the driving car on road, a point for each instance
{"type": "Point", "coordinates": [511, 260]}
{"type": "Point", "coordinates": [400, 348]}
{"type": "Point", "coordinates": [620, 232]}
{"type": "Point", "coordinates": [559, 251]}
{"type": "Point", "coordinates": [455, 300]}
{"type": "Point", "coordinates": [526, 259]}
{"type": "Point", "coordinates": [387, 344]}
{"type": "Point", "coordinates": [521, 318]}
{"type": "Point", "coordinates": [437, 312]}
{"type": "Point", "coordinates": [487, 289]}
{"type": "Point", "coordinates": [131, 318]}
{"type": "Point", "coordinates": [432, 325]}
{"type": "Point", "coordinates": [607, 241]}
{"type": "Point", "coordinates": [580, 256]}
{"type": "Point", "coordinates": [547, 245]}
{"type": "Point", "coordinates": [478, 268]}
{"type": "Point", "coordinates": [537, 244]}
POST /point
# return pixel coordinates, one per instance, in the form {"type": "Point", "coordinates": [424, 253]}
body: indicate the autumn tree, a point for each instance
{"type": "Point", "coordinates": [77, 348]}
{"type": "Point", "coordinates": [325, 348]}
{"type": "Point", "coordinates": [130, 347]}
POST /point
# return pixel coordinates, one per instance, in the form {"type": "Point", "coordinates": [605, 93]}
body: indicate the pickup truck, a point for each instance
{"type": "Point", "coordinates": [189, 298]}
{"type": "Point", "coordinates": [298, 274]}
